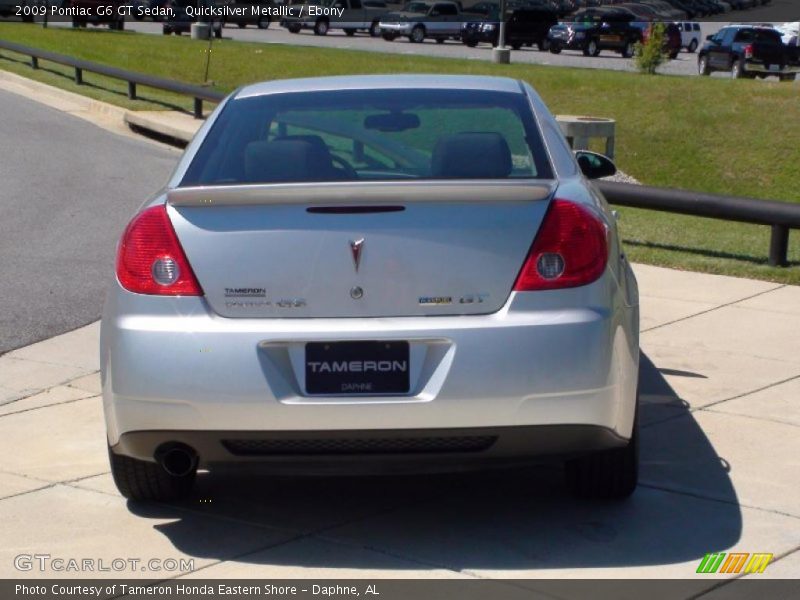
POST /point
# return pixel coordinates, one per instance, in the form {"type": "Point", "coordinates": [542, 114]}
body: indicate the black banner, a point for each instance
{"type": "Point", "coordinates": [716, 588]}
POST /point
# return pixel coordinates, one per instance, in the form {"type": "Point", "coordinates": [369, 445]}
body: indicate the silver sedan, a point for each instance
{"type": "Point", "coordinates": [374, 274]}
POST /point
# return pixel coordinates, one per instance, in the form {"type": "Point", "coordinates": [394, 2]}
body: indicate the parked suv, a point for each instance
{"type": "Point", "coordinates": [748, 51]}
{"type": "Point", "coordinates": [524, 27]}
{"type": "Point", "coordinates": [605, 31]}
{"type": "Point", "coordinates": [421, 20]}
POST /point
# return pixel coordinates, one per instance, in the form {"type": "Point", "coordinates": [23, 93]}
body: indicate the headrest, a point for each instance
{"type": "Point", "coordinates": [479, 155]}
{"type": "Point", "coordinates": [285, 160]}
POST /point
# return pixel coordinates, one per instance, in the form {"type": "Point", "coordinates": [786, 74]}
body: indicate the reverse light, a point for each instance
{"type": "Point", "coordinates": [570, 250]}
{"type": "Point", "coordinates": [150, 259]}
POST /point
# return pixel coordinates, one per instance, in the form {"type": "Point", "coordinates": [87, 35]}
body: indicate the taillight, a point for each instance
{"type": "Point", "coordinates": [150, 259]}
{"type": "Point", "coordinates": [571, 249]}
{"type": "Point", "coordinates": [748, 51]}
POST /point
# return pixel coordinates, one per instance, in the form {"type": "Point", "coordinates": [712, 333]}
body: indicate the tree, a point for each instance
{"type": "Point", "coordinates": [651, 54]}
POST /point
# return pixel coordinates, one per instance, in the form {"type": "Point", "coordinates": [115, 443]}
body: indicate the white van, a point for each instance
{"type": "Point", "coordinates": [690, 35]}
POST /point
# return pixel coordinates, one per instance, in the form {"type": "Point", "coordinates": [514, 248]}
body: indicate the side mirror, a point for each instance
{"type": "Point", "coordinates": [594, 165]}
{"type": "Point", "coordinates": [710, 38]}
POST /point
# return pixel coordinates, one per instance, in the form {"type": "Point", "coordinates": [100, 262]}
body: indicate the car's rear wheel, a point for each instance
{"type": "Point", "coordinates": [471, 43]}
{"type": "Point", "coordinates": [628, 50]}
{"type": "Point", "coordinates": [417, 34]}
{"type": "Point", "coordinates": [555, 48]}
{"type": "Point", "coordinates": [389, 37]}
{"type": "Point", "coordinates": [321, 27]}
{"type": "Point", "coordinates": [144, 480]}
{"type": "Point", "coordinates": [516, 46]}
{"type": "Point", "coordinates": [737, 69]}
{"type": "Point", "coordinates": [673, 55]}
{"type": "Point", "coordinates": [350, 32]}
{"type": "Point", "coordinates": [591, 48]}
{"type": "Point", "coordinates": [692, 47]}
{"type": "Point", "coordinates": [440, 40]}
{"type": "Point", "coordinates": [702, 66]}
{"type": "Point", "coordinates": [293, 28]}
{"type": "Point", "coordinates": [263, 23]}
{"type": "Point", "coordinates": [607, 475]}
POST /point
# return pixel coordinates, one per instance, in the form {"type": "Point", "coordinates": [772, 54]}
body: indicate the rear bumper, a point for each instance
{"type": "Point", "coordinates": [561, 358]}
{"type": "Point", "coordinates": [378, 451]}
{"type": "Point", "coordinates": [761, 68]}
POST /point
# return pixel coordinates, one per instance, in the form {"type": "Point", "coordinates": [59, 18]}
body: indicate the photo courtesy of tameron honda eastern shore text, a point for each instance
{"type": "Point", "coordinates": [374, 274]}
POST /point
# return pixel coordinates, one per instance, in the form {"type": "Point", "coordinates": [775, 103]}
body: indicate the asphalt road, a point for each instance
{"type": "Point", "coordinates": [68, 189]}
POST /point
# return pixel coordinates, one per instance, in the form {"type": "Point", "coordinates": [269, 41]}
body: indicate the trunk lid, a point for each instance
{"type": "Point", "coordinates": [358, 250]}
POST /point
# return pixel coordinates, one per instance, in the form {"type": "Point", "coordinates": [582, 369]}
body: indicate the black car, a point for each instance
{"type": "Point", "coordinates": [249, 12]}
{"type": "Point", "coordinates": [524, 27]}
{"type": "Point", "coordinates": [185, 15]}
{"type": "Point", "coordinates": [749, 51]}
{"type": "Point", "coordinates": [601, 31]}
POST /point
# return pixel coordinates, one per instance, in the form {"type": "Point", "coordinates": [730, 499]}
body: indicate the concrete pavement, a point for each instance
{"type": "Point", "coordinates": [720, 383]}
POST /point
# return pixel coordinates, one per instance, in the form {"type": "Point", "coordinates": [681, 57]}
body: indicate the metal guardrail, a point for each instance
{"type": "Point", "coordinates": [781, 216]}
{"type": "Point", "coordinates": [197, 92]}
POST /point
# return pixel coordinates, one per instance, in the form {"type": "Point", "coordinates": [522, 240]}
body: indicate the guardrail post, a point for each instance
{"type": "Point", "coordinates": [78, 76]}
{"type": "Point", "coordinates": [198, 108]}
{"type": "Point", "coordinates": [779, 246]}
{"type": "Point", "coordinates": [131, 90]}
{"type": "Point", "coordinates": [34, 62]}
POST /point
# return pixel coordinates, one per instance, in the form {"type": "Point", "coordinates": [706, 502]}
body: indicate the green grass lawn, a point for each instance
{"type": "Point", "coordinates": [713, 135]}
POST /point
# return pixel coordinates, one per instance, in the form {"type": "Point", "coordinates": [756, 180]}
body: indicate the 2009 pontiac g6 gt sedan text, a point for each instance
{"type": "Point", "coordinates": [374, 274]}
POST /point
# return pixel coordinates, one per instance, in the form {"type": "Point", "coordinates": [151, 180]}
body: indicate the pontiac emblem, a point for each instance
{"type": "Point", "coordinates": [355, 248]}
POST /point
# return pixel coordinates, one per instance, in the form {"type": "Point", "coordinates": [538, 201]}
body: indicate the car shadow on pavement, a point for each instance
{"type": "Point", "coordinates": [503, 522]}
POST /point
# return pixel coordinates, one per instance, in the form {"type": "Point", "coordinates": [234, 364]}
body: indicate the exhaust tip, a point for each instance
{"type": "Point", "coordinates": [176, 459]}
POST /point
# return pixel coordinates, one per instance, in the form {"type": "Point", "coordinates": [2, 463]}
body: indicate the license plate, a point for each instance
{"type": "Point", "coordinates": [355, 368]}
{"type": "Point", "coordinates": [774, 67]}
{"type": "Point", "coordinates": [609, 38]}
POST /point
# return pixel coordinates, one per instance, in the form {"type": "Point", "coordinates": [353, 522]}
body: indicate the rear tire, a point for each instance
{"type": "Point", "coordinates": [350, 32]}
{"type": "Point", "coordinates": [737, 70]}
{"type": "Point", "coordinates": [471, 44]}
{"type": "Point", "coordinates": [321, 27]}
{"type": "Point", "coordinates": [417, 35]}
{"type": "Point", "coordinates": [555, 48]}
{"type": "Point", "coordinates": [389, 37]}
{"type": "Point", "coordinates": [629, 50]}
{"type": "Point", "coordinates": [702, 66]}
{"type": "Point", "coordinates": [293, 28]}
{"type": "Point", "coordinates": [692, 47]}
{"type": "Point", "coordinates": [607, 475]}
{"type": "Point", "coordinates": [440, 40]}
{"type": "Point", "coordinates": [142, 480]}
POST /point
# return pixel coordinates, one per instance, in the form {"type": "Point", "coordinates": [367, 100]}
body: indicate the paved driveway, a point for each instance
{"type": "Point", "coordinates": [720, 382]}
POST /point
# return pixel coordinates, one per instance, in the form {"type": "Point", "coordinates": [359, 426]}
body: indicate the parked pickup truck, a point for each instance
{"type": "Point", "coordinates": [749, 51]}
{"type": "Point", "coordinates": [419, 20]}
{"type": "Point", "coordinates": [349, 15]}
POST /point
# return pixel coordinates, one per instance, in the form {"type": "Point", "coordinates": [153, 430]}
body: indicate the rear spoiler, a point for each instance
{"type": "Point", "coordinates": [393, 192]}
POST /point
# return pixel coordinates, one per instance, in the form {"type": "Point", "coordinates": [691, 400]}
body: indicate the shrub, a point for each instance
{"type": "Point", "coordinates": [650, 55]}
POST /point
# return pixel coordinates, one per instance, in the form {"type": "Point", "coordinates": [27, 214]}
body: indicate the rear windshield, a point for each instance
{"type": "Point", "coordinates": [358, 135]}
